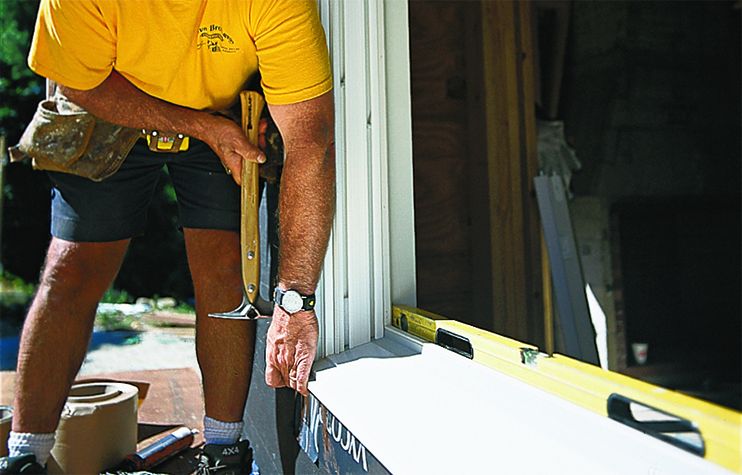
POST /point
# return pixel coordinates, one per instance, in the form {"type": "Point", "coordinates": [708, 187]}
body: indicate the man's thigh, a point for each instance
{"type": "Point", "coordinates": [208, 198]}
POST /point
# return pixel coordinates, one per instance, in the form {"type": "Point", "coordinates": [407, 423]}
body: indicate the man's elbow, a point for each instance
{"type": "Point", "coordinates": [83, 98]}
{"type": "Point", "coordinates": [319, 131]}
{"type": "Point", "coordinates": [316, 141]}
{"type": "Point", "coordinates": [317, 151]}
{"type": "Point", "coordinates": [328, 142]}
{"type": "Point", "coordinates": [87, 97]}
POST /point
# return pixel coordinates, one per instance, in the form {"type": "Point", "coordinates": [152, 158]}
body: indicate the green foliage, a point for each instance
{"type": "Point", "coordinates": [10, 283]}
{"type": "Point", "coordinates": [115, 321]}
{"type": "Point", "coordinates": [15, 297]}
{"type": "Point", "coordinates": [117, 296]}
{"type": "Point", "coordinates": [20, 88]}
{"type": "Point", "coordinates": [184, 308]}
{"type": "Point", "coordinates": [25, 210]}
{"type": "Point", "coordinates": [14, 291]}
{"type": "Point", "coordinates": [168, 190]}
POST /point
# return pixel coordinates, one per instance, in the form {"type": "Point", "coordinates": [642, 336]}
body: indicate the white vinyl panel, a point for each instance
{"type": "Point", "coordinates": [380, 290]}
{"type": "Point", "coordinates": [340, 269]}
{"type": "Point", "coordinates": [332, 290]}
{"type": "Point", "coordinates": [399, 142]}
{"type": "Point", "coordinates": [358, 175]}
{"type": "Point", "coordinates": [325, 307]}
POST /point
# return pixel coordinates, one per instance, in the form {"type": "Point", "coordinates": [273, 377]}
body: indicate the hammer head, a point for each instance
{"type": "Point", "coordinates": [248, 311]}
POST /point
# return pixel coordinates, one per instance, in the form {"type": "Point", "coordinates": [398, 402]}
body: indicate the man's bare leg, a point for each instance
{"type": "Point", "coordinates": [58, 327]}
{"type": "Point", "coordinates": [224, 347]}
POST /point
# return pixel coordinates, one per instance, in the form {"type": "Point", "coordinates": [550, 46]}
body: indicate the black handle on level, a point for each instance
{"type": "Point", "coordinates": [619, 409]}
{"type": "Point", "coordinates": [456, 343]}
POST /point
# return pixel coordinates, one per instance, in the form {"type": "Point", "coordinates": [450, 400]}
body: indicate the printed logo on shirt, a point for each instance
{"type": "Point", "coordinates": [215, 39]}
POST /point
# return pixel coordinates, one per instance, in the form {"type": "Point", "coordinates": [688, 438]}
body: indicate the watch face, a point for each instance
{"type": "Point", "coordinates": [291, 301]}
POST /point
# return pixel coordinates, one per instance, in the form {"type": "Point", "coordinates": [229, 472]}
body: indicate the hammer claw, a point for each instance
{"type": "Point", "coordinates": [245, 311]}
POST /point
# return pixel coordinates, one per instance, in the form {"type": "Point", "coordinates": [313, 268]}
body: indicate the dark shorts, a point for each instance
{"type": "Point", "coordinates": [116, 208]}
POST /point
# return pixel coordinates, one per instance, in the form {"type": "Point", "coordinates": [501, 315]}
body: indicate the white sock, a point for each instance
{"type": "Point", "coordinates": [40, 445]}
{"type": "Point", "coordinates": [220, 432]}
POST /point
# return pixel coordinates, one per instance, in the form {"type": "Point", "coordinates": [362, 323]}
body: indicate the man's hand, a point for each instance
{"type": "Point", "coordinates": [290, 349]}
{"type": "Point", "coordinates": [120, 102]}
{"type": "Point", "coordinates": [230, 143]}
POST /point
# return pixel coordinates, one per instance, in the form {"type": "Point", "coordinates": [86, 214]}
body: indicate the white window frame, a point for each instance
{"type": "Point", "coordinates": [370, 262]}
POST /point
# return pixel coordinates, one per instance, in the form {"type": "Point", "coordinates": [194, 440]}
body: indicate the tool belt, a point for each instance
{"type": "Point", "coordinates": [64, 137]}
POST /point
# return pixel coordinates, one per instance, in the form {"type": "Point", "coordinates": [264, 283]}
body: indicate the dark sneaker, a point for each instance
{"type": "Point", "coordinates": [25, 463]}
{"type": "Point", "coordinates": [235, 459]}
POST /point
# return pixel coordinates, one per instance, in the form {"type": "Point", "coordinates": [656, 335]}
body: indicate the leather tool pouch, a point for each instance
{"type": "Point", "coordinates": [63, 137]}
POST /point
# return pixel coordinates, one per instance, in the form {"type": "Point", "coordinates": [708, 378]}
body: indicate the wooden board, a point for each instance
{"type": "Point", "coordinates": [474, 143]}
{"type": "Point", "coordinates": [441, 158]}
{"type": "Point", "coordinates": [509, 101]}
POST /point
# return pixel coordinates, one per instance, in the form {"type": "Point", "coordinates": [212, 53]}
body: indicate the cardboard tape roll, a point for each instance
{"type": "Point", "coordinates": [97, 430]}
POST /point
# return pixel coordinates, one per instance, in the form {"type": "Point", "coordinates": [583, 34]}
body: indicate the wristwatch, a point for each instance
{"type": "Point", "coordinates": [292, 301]}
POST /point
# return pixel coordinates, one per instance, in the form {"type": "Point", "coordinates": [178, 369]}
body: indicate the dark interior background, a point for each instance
{"type": "Point", "coordinates": [650, 100]}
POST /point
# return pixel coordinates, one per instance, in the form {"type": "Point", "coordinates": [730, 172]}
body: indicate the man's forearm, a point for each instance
{"type": "Point", "coordinates": [118, 101]}
{"type": "Point", "coordinates": [307, 199]}
{"type": "Point", "coordinates": [306, 209]}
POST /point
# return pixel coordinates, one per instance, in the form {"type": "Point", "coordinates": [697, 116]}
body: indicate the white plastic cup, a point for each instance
{"type": "Point", "coordinates": [640, 351]}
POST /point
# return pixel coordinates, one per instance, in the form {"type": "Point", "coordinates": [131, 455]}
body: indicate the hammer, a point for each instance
{"type": "Point", "coordinates": [253, 306]}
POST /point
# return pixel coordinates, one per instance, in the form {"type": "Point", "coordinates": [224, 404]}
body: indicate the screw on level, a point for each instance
{"type": "Point", "coordinates": [251, 288]}
{"type": "Point", "coordinates": [250, 254]}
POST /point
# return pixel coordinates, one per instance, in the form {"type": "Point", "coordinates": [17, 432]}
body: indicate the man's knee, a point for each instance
{"type": "Point", "coordinates": [86, 268]}
{"type": "Point", "coordinates": [213, 255]}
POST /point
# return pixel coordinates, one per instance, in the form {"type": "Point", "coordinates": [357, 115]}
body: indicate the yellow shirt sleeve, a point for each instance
{"type": "Point", "coordinates": [72, 44]}
{"type": "Point", "coordinates": [292, 53]}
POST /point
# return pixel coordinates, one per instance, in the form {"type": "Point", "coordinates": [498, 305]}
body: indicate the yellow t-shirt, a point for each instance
{"type": "Point", "coordinates": [194, 53]}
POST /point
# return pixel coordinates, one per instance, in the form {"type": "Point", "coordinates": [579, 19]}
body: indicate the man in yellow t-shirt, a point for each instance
{"type": "Point", "coordinates": [167, 65]}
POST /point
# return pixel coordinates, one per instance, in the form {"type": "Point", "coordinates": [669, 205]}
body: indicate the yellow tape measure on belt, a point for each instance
{"type": "Point", "coordinates": [168, 143]}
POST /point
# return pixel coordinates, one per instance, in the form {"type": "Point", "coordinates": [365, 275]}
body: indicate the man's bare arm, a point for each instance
{"type": "Point", "coordinates": [118, 101]}
{"type": "Point", "coordinates": [307, 198]}
{"type": "Point", "coordinates": [306, 208]}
